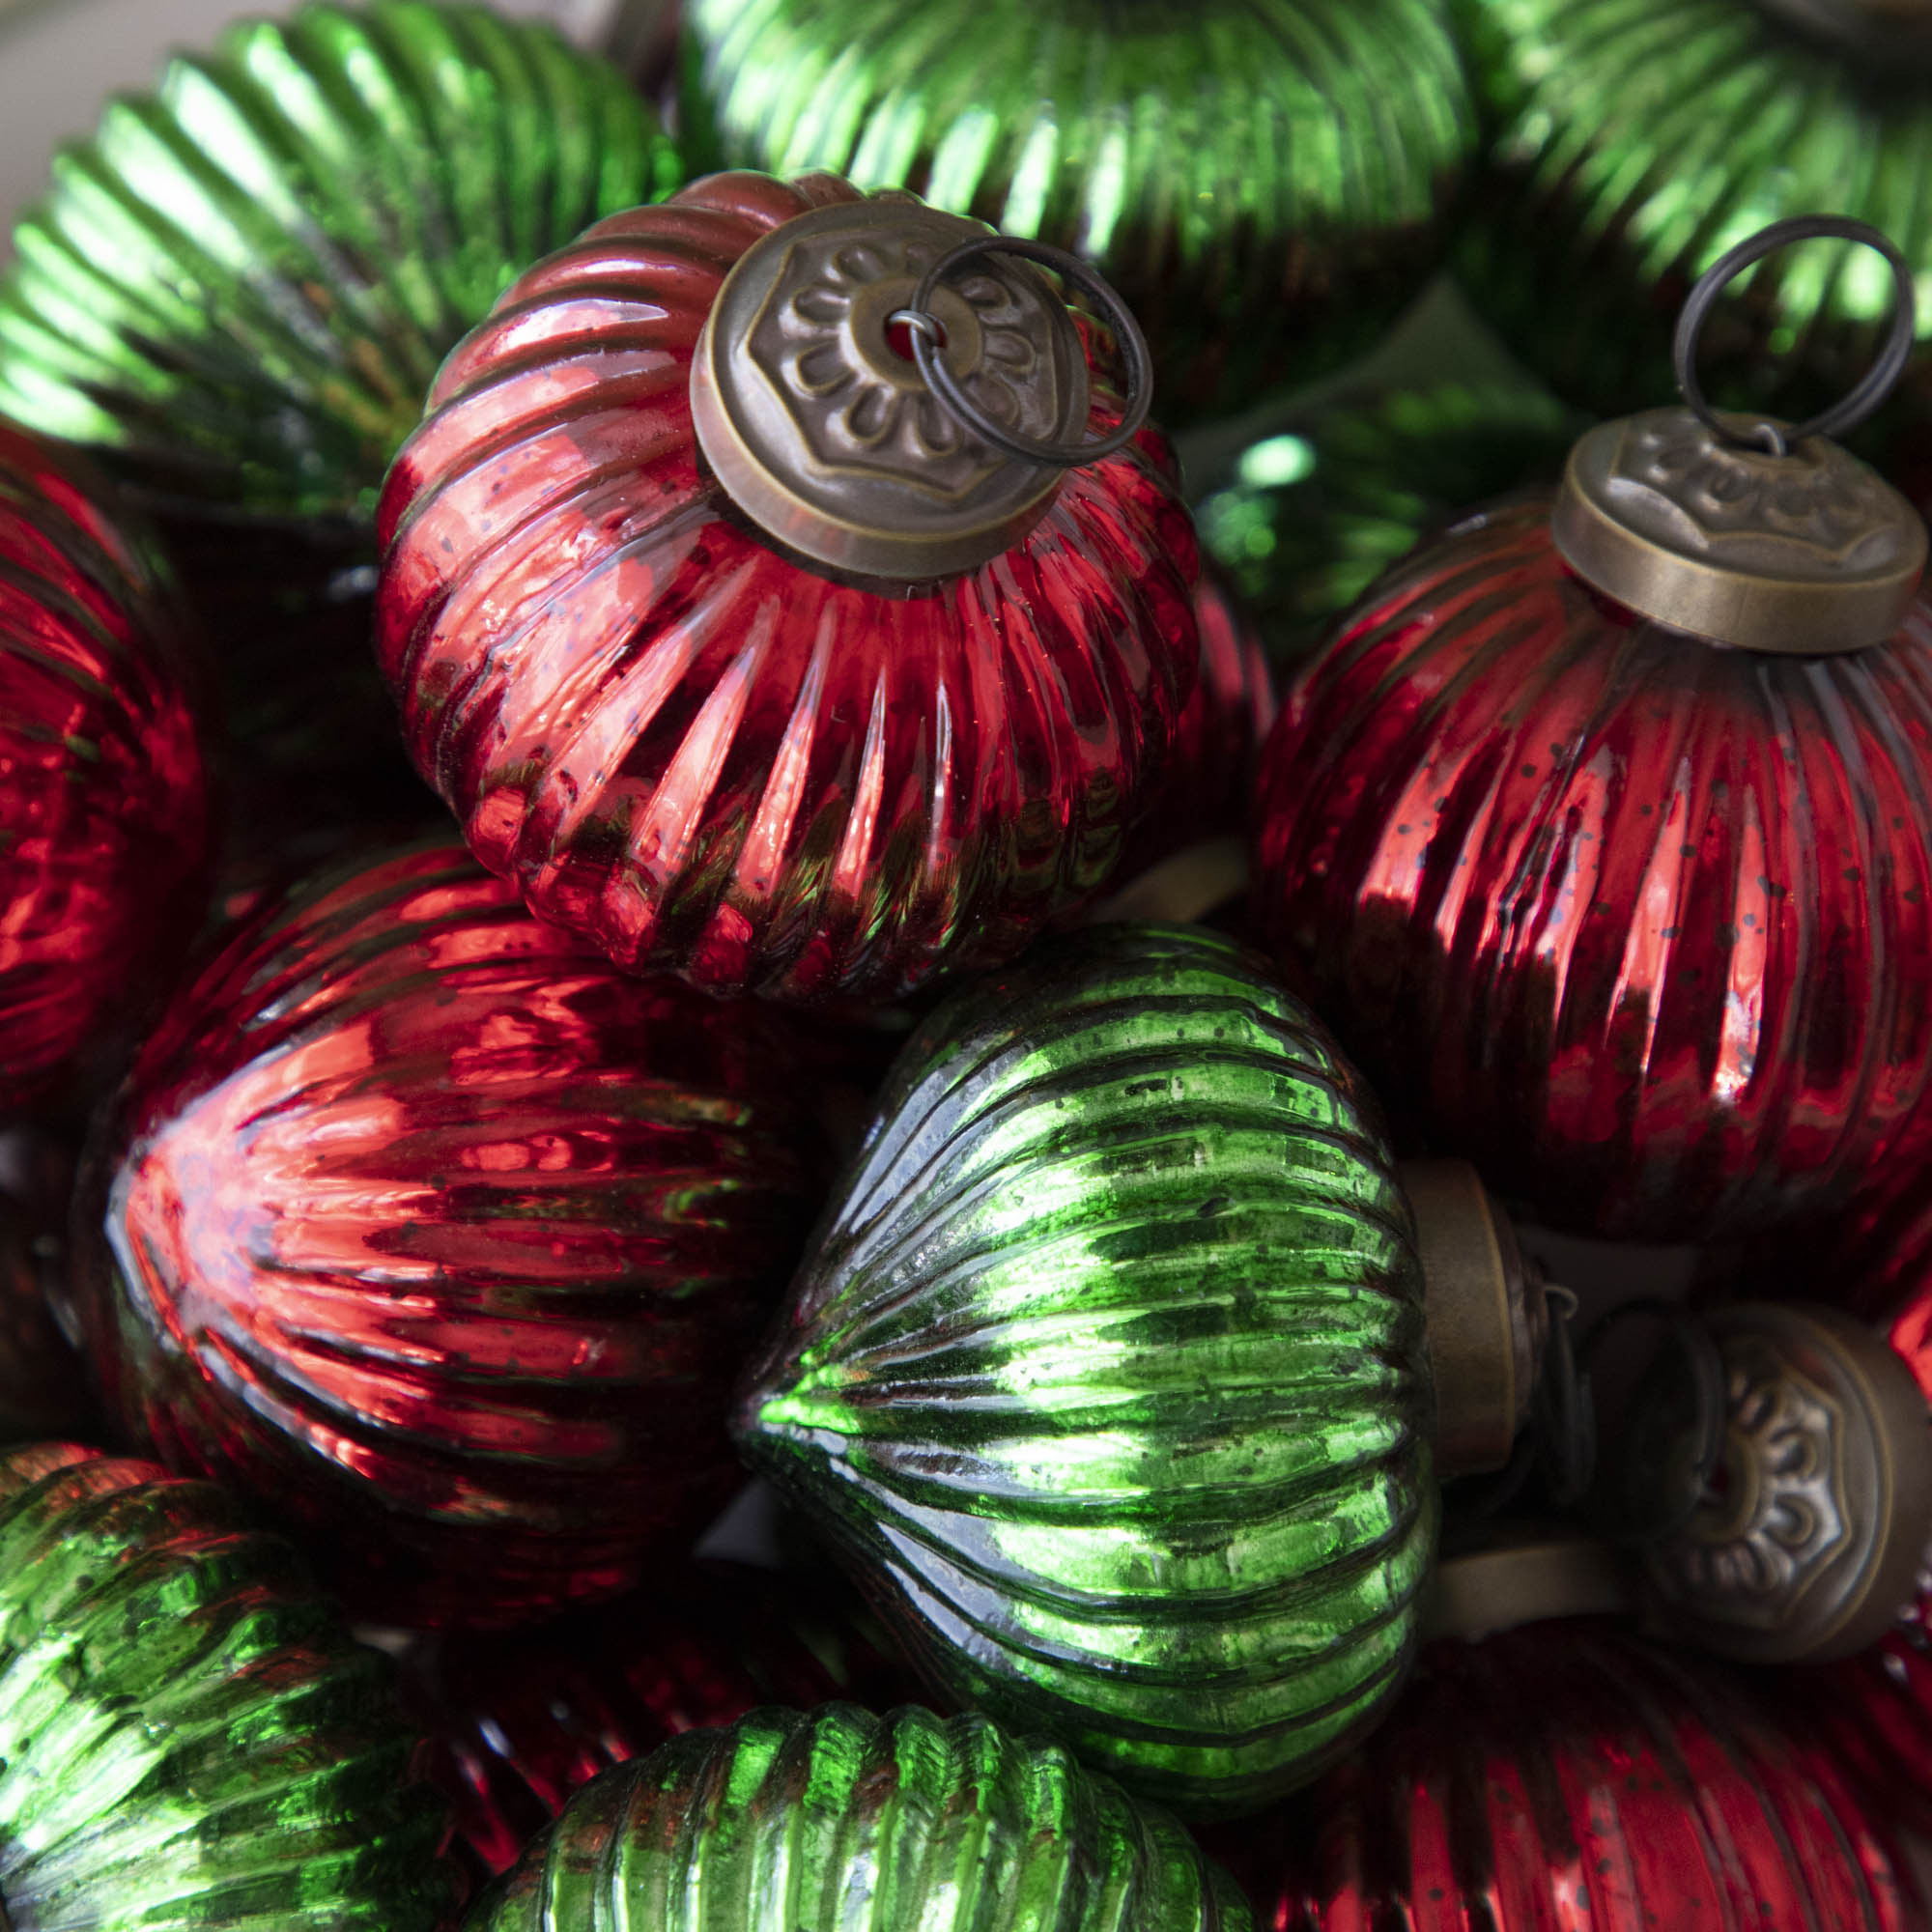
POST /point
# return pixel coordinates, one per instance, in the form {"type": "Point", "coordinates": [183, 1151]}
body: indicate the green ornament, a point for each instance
{"type": "Point", "coordinates": [842, 1821]}
{"type": "Point", "coordinates": [240, 289]}
{"type": "Point", "coordinates": [189, 1737]}
{"type": "Point", "coordinates": [1107, 1373]}
{"type": "Point", "coordinates": [1265, 181]}
{"type": "Point", "coordinates": [1315, 512]}
{"type": "Point", "coordinates": [1634, 141]}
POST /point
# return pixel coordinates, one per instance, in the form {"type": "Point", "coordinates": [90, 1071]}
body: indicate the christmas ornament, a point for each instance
{"type": "Point", "coordinates": [838, 1820]}
{"type": "Point", "coordinates": [1564, 1773]}
{"type": "Point", "coordinates": [241, 286]}
{"type": "Point", "coordinates": [1264, 180]}
{"type": "Point", "coordinates": [1108, 1371]}
{"type": "Point", "coordinates": [104, 809]}
{"type": "Point", "coordinates": [1315, 512]}
{"type": "Point", "coordinates": [732, 627]}
{"type": "Point", "coordinates": [1603, 828]}
{"type": "Point", "coordinates": [518, 1724]}
{"type": "Point", "coordinates": [1636, 141]}
{"type": "Point", "coordinates": [191, 1739]}
{"type": "Point", "coordinates": [425, 1226]}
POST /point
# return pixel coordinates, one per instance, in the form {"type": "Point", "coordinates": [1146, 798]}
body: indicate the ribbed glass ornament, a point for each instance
{"type": "Point", "coordinates": [240, 286]}
{"type": "Point", "coordinates": [1265, 181]}
{"type": "Point", "coordinates": [842, 1821]}
{"type": "Point", "coordinates": [1313, 513]}
{"type": "Point", "coordinates": [1635, 141]}
{"type": "Point", "coordinates": [1107, 1374]}
{"type": "Point", "coordinates": [189, 1740]}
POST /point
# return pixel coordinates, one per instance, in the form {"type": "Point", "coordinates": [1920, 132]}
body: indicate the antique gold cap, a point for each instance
{"type": "Point", "coordinates": [1744, 529]}
{"type": "Point", "coordinates": [1806, 1536]}
{"type": "Point", "coordinates": [1528, 1577]}
{"type": "Point", "coordinates": [813, 403]}
{"type": "Point", "coordinates": [1488, 1318]}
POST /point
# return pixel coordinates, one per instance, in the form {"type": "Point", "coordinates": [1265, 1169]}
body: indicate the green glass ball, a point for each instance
{"type": "Point", "coordinates": [1266, 182]}
{"type": "Point", "coordinates": [189, 1740]}
{"type": "Point", "coordinates": [240, 287]}
{"type": "Point", "coordinates": [1634, 141]}
{"type": "Point", "coordinates": [1107, 1376]}
{"type": "Point", "coordinates": [841, 1821]}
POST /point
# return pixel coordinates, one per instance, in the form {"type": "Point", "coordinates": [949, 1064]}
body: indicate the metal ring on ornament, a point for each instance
{"type": "Point", "coordinates": [927, 335]}
{"type": "Point", "coordinates": [1850, 410]}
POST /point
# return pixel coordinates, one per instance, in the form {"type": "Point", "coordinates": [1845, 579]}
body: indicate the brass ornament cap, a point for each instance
{"type": "Point", "coordinates": [1809, 553]}
{"type": "Point", "coordinates": [1809, 1540]}
{"type": "Point", "coordinates": [1487, 1314]}
{"type": "Point", "coordinates": [825, 434]}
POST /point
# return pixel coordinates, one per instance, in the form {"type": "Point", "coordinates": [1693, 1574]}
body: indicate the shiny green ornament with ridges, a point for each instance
{"type": "Point", "coordinates": [1265, 181]}
{"type": "Point", "coordinates": [1106, 1373]}
{"type": "Point", "coordinates": [1315, 511]}
{"type": "Point", "coordinates": [1636, 140]}
{"type": "Point", "coordinates": [189, 1740]}
{"type": "Point", "coordinates": [838, 1821]}
{"type": "Point", "coordinates": [240, 287]}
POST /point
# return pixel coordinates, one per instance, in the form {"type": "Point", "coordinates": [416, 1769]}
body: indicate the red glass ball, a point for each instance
{"type": "Point", "coordinates": [1641, 924]}
{"type": "Point", "coordinates": [104, 826]}
{"type": "Point", "coordinates": [701, 753]}
{"type": "Point", "coordinates": [443, 1239]}
{"type": "Point", "coordinates": [1566, 1776]}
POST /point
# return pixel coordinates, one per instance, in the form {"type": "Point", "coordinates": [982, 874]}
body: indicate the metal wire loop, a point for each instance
{"type": "Point", "coordinates": [940, 379]}
{"type": "Point", "coordinates": [1850, 410]}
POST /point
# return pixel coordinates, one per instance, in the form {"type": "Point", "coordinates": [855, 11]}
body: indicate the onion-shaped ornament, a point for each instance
{"type": "Point", "coordinates": [436, 1234]}
{"type": "Point", "coordinates": [1265, 181]}
{"type": "Point", "coordinates": [1108, 1373]}
{"type": "Point", "coordinates": [838, 1821]}
{"type": "Point", "coordinates": [1638, 140]}
{"type": "Point", "coordinates": [724, 615]}
{"type": "Point", "coordinates": [191, 1739]}
{"type": "Point", "coordinates": [517, 1723]}
{"type": "Point", "coordinates": [1565, 1773]}
{"type": "Point", "coordinates": [1602, 829]}
{"type": "Point", "coordinates": [240, 287]}
{"type": "Point", "coordinates": [105, 823]}
{"type": "Point", "coordinates": [1313, 513]}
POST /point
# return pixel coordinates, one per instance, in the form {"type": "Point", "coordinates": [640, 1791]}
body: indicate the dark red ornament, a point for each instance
{"type": "Point", "coordinates": [518, 1724]}
{"type": "Point", "coordinates": [1565, 1775]}
{"type": "Point", "coordinates": [443, 1240]}
{"type": "Point", "coordinates": [1639, 922]}
{"type": "Point", "coordinates": [103, 810]}
{"type": "Point", "coordinates": [699, 751]}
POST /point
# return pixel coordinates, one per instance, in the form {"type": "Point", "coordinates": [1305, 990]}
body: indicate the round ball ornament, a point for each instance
{"type": "Point", "coordinates": [105, 821]}
{"type": "Point", "coordinates": [1265, 181]}
{"type": "Point", "coordinates": [779, 593]}
{"type": "Point", "coordinates": [192, 1740]}
{"type": "Point", "coordinates": [1638, 140]}
{"type": "Point", "coordinates": [238, 289]}
{"type": "Point", "coordinates": [789, 1822]}
{"type": "Point", "coordinates": [442, 1238]}
{"type": "Point", "coordinates": [1565, 1773]}
{"type": "Point", "coordinates": [1602, 829]}
{"type": "Point", "coordinates": [1124, 1366]}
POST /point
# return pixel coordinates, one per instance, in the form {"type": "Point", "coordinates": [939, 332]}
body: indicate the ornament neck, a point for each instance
{"type": "Point", "coordinates": [1482, 1592]}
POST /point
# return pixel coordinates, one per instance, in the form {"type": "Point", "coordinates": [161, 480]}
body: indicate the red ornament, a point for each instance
{"type": "Point", "coordinates": [103, 811]}
{"type": "Point", "coordinates": [443, 1239]}
{"type": "Point", "coordinates": [516, 1724]}
{"type": "Point", "coordinates": [1639, 923]}
{"type": "Point", "coordinates": [1566, 1776]}
{"type": "Point", "coordinates": [701, 752]}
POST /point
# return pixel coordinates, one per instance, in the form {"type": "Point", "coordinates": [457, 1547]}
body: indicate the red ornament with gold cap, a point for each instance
{"type": "Point", "coordinates": [1602, 831]}
{"type": "Point", "coordinates": [780, 591]}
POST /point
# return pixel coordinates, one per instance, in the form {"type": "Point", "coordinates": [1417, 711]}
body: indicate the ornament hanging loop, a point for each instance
{"type": "Point", "coordinates": [1852, 409]}
{"type": "Point", "coordinates": [924, 329]}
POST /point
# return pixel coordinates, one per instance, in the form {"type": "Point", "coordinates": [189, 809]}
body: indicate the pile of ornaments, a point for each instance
{"type": "Point", "coordinates": [648, 844]}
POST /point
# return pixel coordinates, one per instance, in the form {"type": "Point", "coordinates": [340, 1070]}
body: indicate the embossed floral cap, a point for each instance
{"type": "Point", "coordinates": [1746, 529]}
{"type": "Point", "coordinates": [811, 406]}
